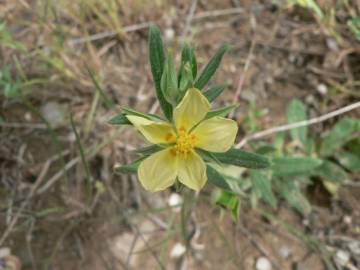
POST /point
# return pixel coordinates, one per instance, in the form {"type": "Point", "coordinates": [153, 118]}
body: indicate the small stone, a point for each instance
{"type": "Point", "coordinates": [347, 220]}
{"type": "Point", "coordinates": [285, 252]}
{"type": "Point", "coordinates": [169, 34]}
{"type": "Point", "coordinates": [28, 116]}
{"type": "Point", "coordinates": [4, 252]}
{"type": "Point", "coordinates": [332, 44]}
{"type": "Point", "coordinates": [342, 257]}
{"type": "Point", "coordinates": [175, 201]}
{"type": "Point", "coordinates": [248, 95]}
{"type": "Point", "coordinates": [354, 247]}
{"type": "Point", "coordinates": [263, 263]}
{"type": "Point", "coordinates": [177, 251]}
{"type": "Point", "coordinates": [53, 112]}
{"type": "Point", "coordinates": [322, 89]}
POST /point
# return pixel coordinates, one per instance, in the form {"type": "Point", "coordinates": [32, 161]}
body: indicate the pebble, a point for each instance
{"type": "Point", "coordinates": [4, 252]}
{"type": "Point", "coordinates": [332, 44]}
{"type": "Point", "coordinates": [175, 201]}
{"type": "Point", "coordinates": [169, 34]}
{"type": "Point", "coordinates": [354, 247]}
{"type": "Point", "coordinates": [263, 263]}
{"type": "Point", "coordinates": [347, 220]}
{"type": "Point", "coordinates": [285, 252]}
{"type": "Point", "coordinates": [177, 251]}
{"type": "Point", "coordinates": [342, 257]}
{"type": "Point", "coordinates": [53, 112]}
{"type": "Point", "coordinates": [322, 89]}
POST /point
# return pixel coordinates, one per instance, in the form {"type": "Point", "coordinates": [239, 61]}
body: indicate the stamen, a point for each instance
{"type": "Point", "coordinates": [168, 137]}
{"type": "Point", "coordinates": [185, 142]}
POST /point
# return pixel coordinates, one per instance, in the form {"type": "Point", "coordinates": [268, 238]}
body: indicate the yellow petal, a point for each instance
{"type": "Point", "coordinates": [216, 134]}
{"type": "Point", "coordinates": [158, 171]}
{"type": "Point", "coordinates": [191, 110]}
{"type": "Point", "coordinates": [192, 170]}
{"type": "Point", "coordinates": [154, 132]}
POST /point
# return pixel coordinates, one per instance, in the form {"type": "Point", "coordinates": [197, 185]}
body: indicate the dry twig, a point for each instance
{"type": "Point", "coordinates": [304, 123]}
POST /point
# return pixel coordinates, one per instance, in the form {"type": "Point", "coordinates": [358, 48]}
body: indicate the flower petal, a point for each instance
{"type": "Point", "coordinates": [192, 170]}
{"type": "Point", "coordinates": [155, 132]}
{"type": "Point", "coordinates": [158, 171]}
{"type": "Point", "coordinates": [216, 134]}
{"type": "Point", "coordinates": [191, 110]}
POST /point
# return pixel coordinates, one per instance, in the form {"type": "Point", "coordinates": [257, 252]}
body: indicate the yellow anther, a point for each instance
{"type": "Point", "coordinates": [185, 142]}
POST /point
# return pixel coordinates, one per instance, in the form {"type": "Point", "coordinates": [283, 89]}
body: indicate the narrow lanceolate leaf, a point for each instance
{"type": "Point", "coordinates": [186, 78]}
{"type": "Point", "coordinates": [332, 172]}
{"type": "Point", "coordinates": [242, 159]}
{"type": "Point", "coordinates": [290, 191]}
{"type": "Point", "coordinates": [339, 135]}
{"type": "Point", "coordinates": [217, 179]}
{"type": "Point", "coordinates": [169, 82]}
{"type": "Point", "coordinates": [128, 111]}
{"type": "Point", "coordinates": [119, 119]}
{"type": "Point", "coordinates": [148, 150]}
{"type": "Point", "coordinates": [220, 112]}
{"type": "Point", "coordinates": [214, 92]}
{"type": "Point", "coordinates": [349, 160]}
{"type": "Point", "coordinates": [294, 166]}
{"type": "Point", "coordinates": [211, 67]}
{"type": "Point", "coordinates": [188, 56]}
{"type": "Point", "coordinates": [261, 185]}
{"type": "Point", "coordinates": [128, 168]}
{"type": "Point", "coordinates": [157, 60]}
{"type": "Point", "coordinates": [297, 112]}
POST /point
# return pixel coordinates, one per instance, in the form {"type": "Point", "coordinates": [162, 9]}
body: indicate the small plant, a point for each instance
{"type": "Point", "coordinates": [193, 139]}
{"type": "Point", "coordinates": [330, 159]}
{"type": "Point", "coordinates": [10, 86]}
{"type": "Point", "coordinates": [194, 144]}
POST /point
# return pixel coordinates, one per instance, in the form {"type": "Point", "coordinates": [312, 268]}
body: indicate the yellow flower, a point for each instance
{"type": "Point", "coordinates": [190, 130]}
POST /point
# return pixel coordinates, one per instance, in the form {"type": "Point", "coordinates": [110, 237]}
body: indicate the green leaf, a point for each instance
{"type": "Point", "coordinates": [129, 111]}
{"type": "Point", "coordinates": [188, 56]}
{"type": "Point", "coordinates": [217, 179]}
{"type": "Point", "coordinates": [186, 78]}
{"type": "Point", "coordinates": [220, 112]}
{"type": "Point", "coordinates": [169, 84]}
{"type": "Point", "coordinates": [297, 112]}
{"type": "Point", "coordinates": [157, 60]}
{"type": "Point", "coordinates": [211, 67]}
{"type": "Point", "coordinates": [349, 160]}
{"type": "Point", "coordinates": [148, 150]}
{"type": "Point", "coordinates": [230, 201]}
{"type": "Point", "coordinates": [129, 168]}
{"type": "Point", "coordinates": [339, 135]}
{"type": "Point", "coordinates": [330, 171]}
{"type": "Point", "coordinates": [266, 149]}
{"type": "Point", "coordinates": [261, 185]}
{"type": "Point", "coordinates": [214, 92]}
{"type": "Point", "coordinates": [243, 159]}
{"type": "Point", "coordinates": [290, 191]}
{"type": "Point", "coordinates": [119, 119]}
{"type": "Point", "coordinates": [294, 166]}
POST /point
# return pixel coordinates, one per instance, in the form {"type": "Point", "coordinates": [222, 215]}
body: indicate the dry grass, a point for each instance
{"type": "Point", "coordinates": [61, 205]}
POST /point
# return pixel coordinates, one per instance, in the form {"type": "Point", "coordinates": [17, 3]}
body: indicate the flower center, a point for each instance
{"type": "Point", "coordinates": [185, 142]}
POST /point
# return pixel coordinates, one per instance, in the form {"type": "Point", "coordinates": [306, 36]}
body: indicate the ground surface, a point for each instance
{"type": "Point", "coordinates": [51, 219]}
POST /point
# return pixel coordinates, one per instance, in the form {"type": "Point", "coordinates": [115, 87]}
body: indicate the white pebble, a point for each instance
{"type": "Point", "coordinates": [177, 251]}
{"type": "Point", "coordinates": [175, 201]}
{"type": "Point", "coordinates": [322, 89]}
{"type": "Point", "coordinates": [263, 263]}
{"type": "Point", "coordinates": [169, 34]}
{"type": "Point", "coordinates": [4, 252]}
{"type": "Point", "coordinates": [285, 252]}
{"type": "Point", "coordinates": [342, 257]}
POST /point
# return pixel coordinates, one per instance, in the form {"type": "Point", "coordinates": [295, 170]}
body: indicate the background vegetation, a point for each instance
{"type": "Point", "coordinates": [68, 66]}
